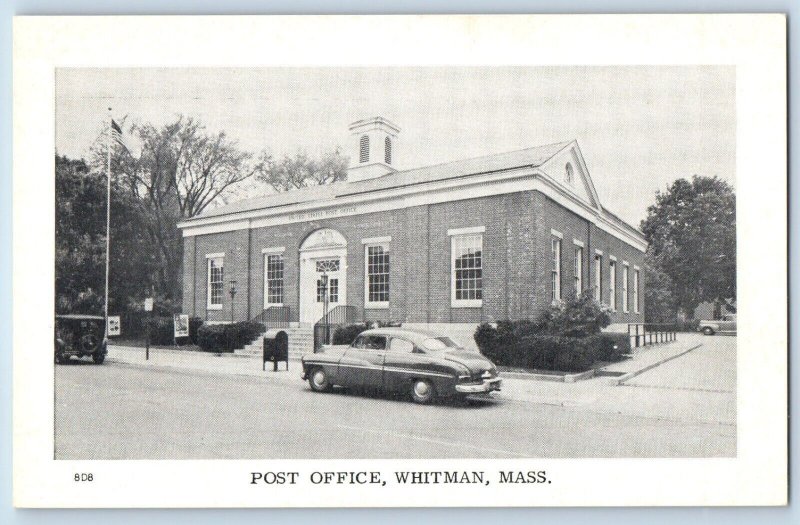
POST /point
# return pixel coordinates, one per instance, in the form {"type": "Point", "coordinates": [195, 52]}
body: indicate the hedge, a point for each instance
{"type": "Point", "coordinates": [518, 344]}
{"type": "Point", "coordinates": [221, 338]}
{"type": "Point", "coordinates": [344, 335]}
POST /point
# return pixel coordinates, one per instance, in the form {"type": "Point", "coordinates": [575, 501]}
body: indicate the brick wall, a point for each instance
{"type": "Point", "coordinates": [516, 260]}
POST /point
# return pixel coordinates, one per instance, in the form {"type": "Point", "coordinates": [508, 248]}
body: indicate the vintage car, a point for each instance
{"type": "Point", "coordinates": [80, 335]}
{"type": "Point", "coordinates": [726, 325]}
{"type": "Point", "coordinates": [397, 360]}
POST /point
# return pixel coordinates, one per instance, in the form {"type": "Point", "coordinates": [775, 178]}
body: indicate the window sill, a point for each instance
{"type": "Point", "coordinates": [270, 305]}
{"type": "Point", "coordinates": [467, 304]}
{"type": "Point", "coordinates": [376, 306]}
{"type": "Point", "coordinates": [214, 307]}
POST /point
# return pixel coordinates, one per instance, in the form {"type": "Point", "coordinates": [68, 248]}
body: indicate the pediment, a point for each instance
{"type": "Point", "coordinates": [567, 168]}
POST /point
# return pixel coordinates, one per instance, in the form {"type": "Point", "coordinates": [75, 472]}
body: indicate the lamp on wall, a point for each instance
{"type": "Point", "coordinates": [233, 293]}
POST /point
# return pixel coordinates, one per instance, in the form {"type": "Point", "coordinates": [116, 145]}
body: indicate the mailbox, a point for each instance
{"type": "Point", "coordinates": [276, 348]}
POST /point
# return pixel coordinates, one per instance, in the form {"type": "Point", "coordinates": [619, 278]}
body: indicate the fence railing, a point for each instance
{"type": "Point", "coordinates": [337, 316]}
{"type": "Point", "coordinates": [273, 317]}
{"type": "Point", "coordinates": [646, 334]}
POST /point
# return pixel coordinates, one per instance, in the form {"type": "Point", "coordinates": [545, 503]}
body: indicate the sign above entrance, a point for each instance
{"type": "Point", "coordinates": [324, 238]}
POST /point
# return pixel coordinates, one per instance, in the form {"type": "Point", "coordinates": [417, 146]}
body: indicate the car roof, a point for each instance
{"type": "Point", "coordinates": [84, 317]}
{"type": "Point", "coordinates": [415, 335]}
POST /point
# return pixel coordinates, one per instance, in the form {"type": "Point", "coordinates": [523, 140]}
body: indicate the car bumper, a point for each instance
{"type": "Point", "coordinates": [488, 385]}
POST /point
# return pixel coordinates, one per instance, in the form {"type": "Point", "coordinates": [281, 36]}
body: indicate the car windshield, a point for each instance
{"type": "Point", "coordinates": [439, 343]}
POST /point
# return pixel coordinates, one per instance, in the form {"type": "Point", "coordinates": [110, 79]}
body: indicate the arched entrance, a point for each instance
{"type": "Point", "coordinates": [324, 252]}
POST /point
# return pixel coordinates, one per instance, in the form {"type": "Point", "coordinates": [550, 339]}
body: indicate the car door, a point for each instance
{"type": "Point", "coordinates": [362, 363]}
{"type": "Point", "coordinates": [399, 364]}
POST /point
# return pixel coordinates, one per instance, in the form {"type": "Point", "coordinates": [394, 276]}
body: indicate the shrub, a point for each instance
{"type": "Point", "coordinates": [227, 337]}
{"type": "Point", "coordinates": [162, 330]}
{"type": "Point", "coordinates": [211, 338]}
{"type": "Point", "coordinates": [344, 335]}
{"type": "Point", "coordinates": [520, 344]}
{"type": "Point", "coordinates": [578, 316]}
{"type": "Point", "coordinates": [194, 325]}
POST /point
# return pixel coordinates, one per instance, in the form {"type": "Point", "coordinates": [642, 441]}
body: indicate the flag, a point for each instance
{"type": "Point", "coordinates": [116, 134]}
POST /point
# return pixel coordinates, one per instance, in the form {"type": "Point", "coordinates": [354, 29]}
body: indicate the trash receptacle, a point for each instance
{"type": "Point", "coordinates": [276, 348]}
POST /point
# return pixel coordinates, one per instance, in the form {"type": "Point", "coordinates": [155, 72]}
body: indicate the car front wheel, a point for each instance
{"type": "Point", "coordinates": [319, 380]}
{"type": "Point", "coordinates": [98, 358]}
{"type": "Point", "coordinates": [708, 330]}
{"type": "Point", "coordinates": [422, 391]}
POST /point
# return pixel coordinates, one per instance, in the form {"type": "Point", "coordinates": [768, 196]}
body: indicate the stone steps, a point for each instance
{"type": "Point", "coordinates": [301, 341]}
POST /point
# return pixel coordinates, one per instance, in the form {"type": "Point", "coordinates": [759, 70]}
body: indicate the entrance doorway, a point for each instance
{"type": "Point", "coordinates": [323, 253]}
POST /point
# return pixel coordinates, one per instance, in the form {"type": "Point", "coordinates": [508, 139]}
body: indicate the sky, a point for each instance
{"type": "Point", "coordinates": [639, 127]}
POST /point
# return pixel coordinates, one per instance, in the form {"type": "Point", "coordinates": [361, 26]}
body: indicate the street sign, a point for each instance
{"type": "Point", "coordinates": [181, 325]}
{"type": "Point", "coordinates": [148, 304]}
{"type": "Point", "coordinates": [114, 325]}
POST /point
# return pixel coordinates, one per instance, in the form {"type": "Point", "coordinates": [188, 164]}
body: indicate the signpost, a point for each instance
{"type": "Point", "coordinates": [148, 307]}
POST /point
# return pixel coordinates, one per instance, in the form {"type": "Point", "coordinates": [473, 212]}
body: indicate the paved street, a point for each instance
{"type": "Point", "coordinates": [128, 411]}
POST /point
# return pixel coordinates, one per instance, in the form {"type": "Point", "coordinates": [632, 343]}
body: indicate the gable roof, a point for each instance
{"type": "Point", "coordinates": [529, 157]}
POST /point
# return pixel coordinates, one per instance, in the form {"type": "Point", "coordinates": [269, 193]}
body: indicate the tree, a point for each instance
{"type": "Point", "coordinates": [301, 171]}
{"type": "Point", "coordinates": [182, 169]}
{"type": "Point", "coordinates": [691, 231]}
{"type": "Point", "coordinates": [80, 235]}
{"type": "Point", "coordinates": [659, 303]}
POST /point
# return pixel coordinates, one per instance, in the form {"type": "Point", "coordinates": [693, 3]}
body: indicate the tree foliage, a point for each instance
{"type": "Point", "coordinates": [80, 234]}
{"type": "Point", "coordinates": [302, 171]}
{"type": "Point", "coordinates": [181, 170]}
{"type": "Point", "coordinates": [691, 231]}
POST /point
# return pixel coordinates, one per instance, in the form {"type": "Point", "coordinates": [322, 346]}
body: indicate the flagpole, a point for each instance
{"type": "Point", "coordinates": [108, 219]}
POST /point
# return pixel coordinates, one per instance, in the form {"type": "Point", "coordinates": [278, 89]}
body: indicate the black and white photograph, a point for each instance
{"type": "Point", "coordinates": [544, 255]}
{"type": "Point", "coordinates": [417, 277]}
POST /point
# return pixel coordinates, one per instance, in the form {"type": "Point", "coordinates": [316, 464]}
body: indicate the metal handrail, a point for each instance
{"type": "Point", "coordinates": [340, 315]}
{"type": "Point", "coordinates": [273, 317]}
{"type": "Point", "coordinates": [646, 334]}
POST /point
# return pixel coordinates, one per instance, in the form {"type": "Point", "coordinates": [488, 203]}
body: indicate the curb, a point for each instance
{"type": "Point", "coordinates": [630, 375]}
{"type": "Point", "coordinates": [566, 378]}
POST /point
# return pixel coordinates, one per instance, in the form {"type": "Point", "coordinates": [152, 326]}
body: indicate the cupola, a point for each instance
{"type": "Point", "coordinates": [374, 148]}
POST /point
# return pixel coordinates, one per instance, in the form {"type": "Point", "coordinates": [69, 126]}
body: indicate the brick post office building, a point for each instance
{"type": "Point", "coordinates": [444, 247]}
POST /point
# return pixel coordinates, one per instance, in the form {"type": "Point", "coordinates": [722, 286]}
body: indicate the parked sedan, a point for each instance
{"type": "Point", "coordinates": [726, 325]}
{"type": "Point", "coordinates": [424, 364]}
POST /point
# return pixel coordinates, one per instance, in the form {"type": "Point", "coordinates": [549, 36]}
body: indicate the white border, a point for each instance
{"type": "Point", "coordinates": [754, 44]}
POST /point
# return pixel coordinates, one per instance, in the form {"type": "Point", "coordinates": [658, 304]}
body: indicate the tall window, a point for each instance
{"type": "Point", "coordinates": [598, 278]}
{"type": "Point", "coordinates": [363, 151]}
{"type": "Point", "coordinates": [467, 269]}
{"type": "Point", "coordinates": [578, 270]}
{"type": "Point", "coordinates": [377, 278]}
{"type": "Point", "coordinates": [216, 281]}
{"type": "Point", "coordinates": [625, 287]}
{"type": "Point", "coordinates": [387, 150]}
{"type": "Point", "coordinates": [612, 284]}
{"type": "Point", "coordinates": [636, 290]}
{"type": "Point", "coordinates": [555, 252]}
{"type": "Point", "coordinates": [273, 285]}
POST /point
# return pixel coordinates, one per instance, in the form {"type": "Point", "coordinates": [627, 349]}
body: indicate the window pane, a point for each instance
{"type": "Point", "coordinates": [468, 266]}
{"type": "Point", "coordinates": [401, 345]}
{"type": "Point", "coordinates": [377, 274]}
{"type": "Point", "coordinates": [215, 280]}
{"type": "Point", "coordinates": [275, 279]}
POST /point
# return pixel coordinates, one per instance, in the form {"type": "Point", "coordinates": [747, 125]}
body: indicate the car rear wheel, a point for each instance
{"type": "Point", "coordinates": [319, 380]}
{"type": "Point", "coordinates": [422, 391]}
{"type": "Point", "coordinates": [708, 330]}
{"type": "Point", "coordinates": [61, 358]}
{"type": "Point", "coordinates": [98, 358]}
